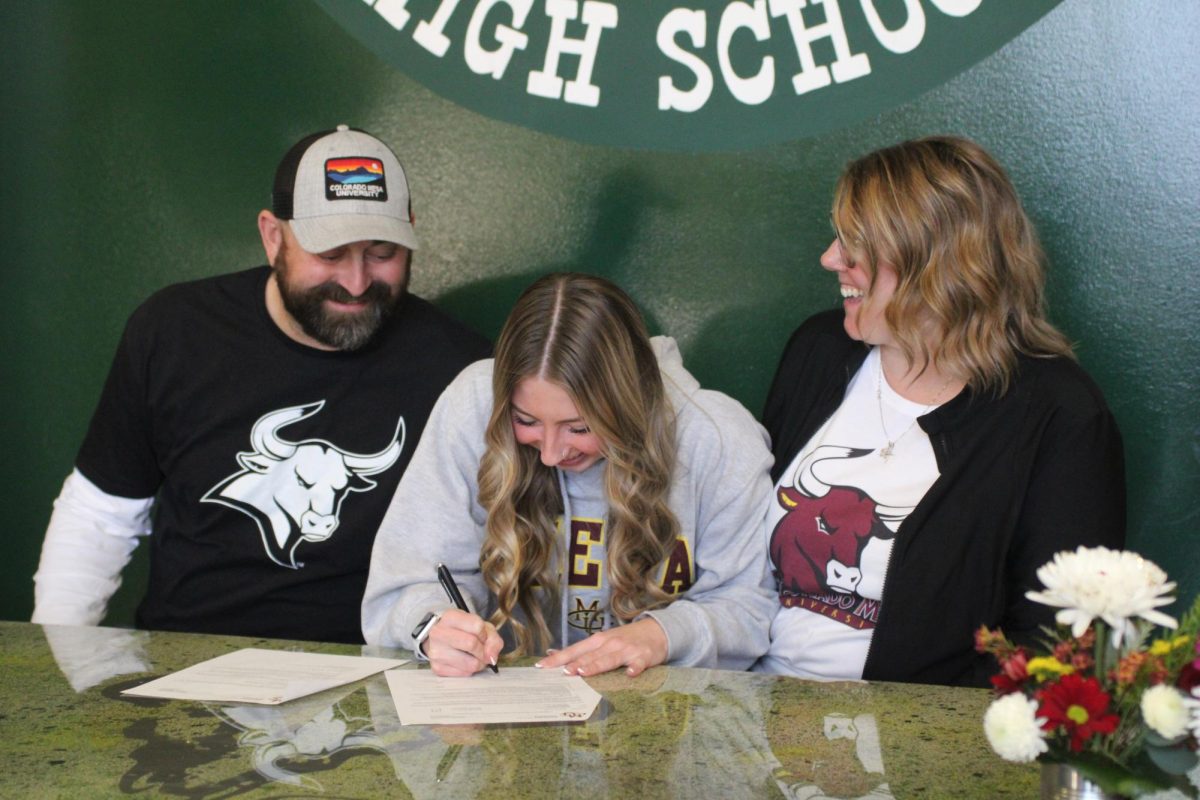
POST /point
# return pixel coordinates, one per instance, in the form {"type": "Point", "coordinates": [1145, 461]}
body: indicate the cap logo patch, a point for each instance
{"type": "Point", "coordinates": [355, 179]}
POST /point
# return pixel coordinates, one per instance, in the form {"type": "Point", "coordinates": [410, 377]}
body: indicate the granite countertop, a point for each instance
{"type": "Point", "coordinates": [672, 732]}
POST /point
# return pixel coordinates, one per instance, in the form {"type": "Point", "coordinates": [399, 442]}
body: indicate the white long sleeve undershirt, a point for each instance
{"type": "Point", "coordinates": [89, 540]}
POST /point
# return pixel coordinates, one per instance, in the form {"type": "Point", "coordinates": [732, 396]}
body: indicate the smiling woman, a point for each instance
{"type": "Point", "coordinates": [935, 443]}
{"type": "Point", "coordinates": [562, 484]}
{"type": "Point", "coordinates": [545, 418]}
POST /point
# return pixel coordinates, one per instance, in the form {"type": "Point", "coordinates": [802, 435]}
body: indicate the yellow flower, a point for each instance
{"type": "Point", "coordinates": [1044, 667]}
{"type": "Point", "coordinates": [1162, 647]}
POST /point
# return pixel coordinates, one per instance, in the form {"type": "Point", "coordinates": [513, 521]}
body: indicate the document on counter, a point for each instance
{"type": "Point", "coordinates": [516, 694]}
{"type": "Point", "coordinates": [267, 677]}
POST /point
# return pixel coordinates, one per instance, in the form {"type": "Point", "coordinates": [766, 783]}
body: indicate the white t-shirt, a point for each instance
{"type": "Point", "coordinates": [832, 524]}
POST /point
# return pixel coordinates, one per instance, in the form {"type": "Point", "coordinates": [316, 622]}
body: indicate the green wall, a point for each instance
{"type": "Point", "coordinates": [140, 137]}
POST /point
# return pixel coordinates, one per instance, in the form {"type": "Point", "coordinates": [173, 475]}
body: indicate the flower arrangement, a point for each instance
{"type": "Point", "coordinates": [1116, 692]}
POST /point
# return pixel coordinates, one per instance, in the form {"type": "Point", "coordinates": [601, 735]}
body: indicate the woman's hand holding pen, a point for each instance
{"type": "Point", "coordinates": [461, 644]}
{"type": "Point", "coordinates": [636, 646]}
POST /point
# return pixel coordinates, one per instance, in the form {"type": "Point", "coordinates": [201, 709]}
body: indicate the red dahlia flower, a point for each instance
{"type": "Point", "coordinates": [1078, 705]}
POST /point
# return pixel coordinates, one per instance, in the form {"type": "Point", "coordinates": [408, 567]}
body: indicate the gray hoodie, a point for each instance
{"type": "Point", "coordinates": [719, 493]}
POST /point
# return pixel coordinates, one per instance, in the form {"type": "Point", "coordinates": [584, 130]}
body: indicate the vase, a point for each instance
{"type": "Point", "coordinates": [1064, 782]}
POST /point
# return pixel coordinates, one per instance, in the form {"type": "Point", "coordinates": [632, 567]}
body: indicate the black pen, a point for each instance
{"type": "Point", "coordinates": [447, 581]}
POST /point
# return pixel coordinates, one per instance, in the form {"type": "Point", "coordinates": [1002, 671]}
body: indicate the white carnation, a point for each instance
{"type": "Point", "coordinates": [1013, 728]}
{"type": "Point", "coordinates": [1166, 711]}
{"type": "Point", "coordinates": [1115, 586]}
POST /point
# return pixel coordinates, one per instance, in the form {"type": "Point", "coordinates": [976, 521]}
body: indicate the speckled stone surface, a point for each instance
{"type": "Point", "coordinates": [67, 732]}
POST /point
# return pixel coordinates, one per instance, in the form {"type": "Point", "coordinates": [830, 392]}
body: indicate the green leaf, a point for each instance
{"type": "Point", "coordinates": [1156, 778]}
{"type": "Point", "coordinates": [1172, 760]}
{"type": "Point", "coordinates": [1155, 740]}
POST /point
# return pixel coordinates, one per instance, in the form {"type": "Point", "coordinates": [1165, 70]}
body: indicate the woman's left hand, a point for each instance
{"type": "Point", "coordinates": [636, 646]}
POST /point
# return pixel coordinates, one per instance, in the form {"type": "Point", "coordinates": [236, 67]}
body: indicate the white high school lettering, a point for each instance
{"type": "Point", "coordinates": [736, 16]}
{"type": "Point", "coordinates": [429, 34]}
{"type": "Point", "coordinates": [597, 17]}
{"type": "Point", "coordinates": [494, 62]}
{"type": "Point", "coordinates": [684, 20]}
{"type": "Point", "coordinates": [847, 66]}
{"type": "Point", "coordinates": [683, 32]}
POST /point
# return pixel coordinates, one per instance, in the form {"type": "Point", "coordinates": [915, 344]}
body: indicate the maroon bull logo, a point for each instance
{"type": "Point", "coordinates": [816, 547]}
{"type": "Point", "coordinates": [294, 490]}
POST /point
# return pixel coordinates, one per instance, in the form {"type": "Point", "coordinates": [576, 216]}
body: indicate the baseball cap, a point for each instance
{"type": "Point", "coordinates": [342, 186]}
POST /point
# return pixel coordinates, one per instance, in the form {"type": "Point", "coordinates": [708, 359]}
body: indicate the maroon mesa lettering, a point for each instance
{"type": "Point", "coordinates": [678, 575]}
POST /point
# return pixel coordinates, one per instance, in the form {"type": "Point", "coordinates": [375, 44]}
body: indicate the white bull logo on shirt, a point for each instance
{"type": "Point", "coordinates": [294, 490]}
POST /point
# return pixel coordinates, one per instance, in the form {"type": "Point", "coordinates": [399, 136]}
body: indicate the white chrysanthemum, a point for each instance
{"type": "Point", "coordinates": [1114, 585]}
{"type": "Point", "coordinates": [1166, 711]}
{"type": "Point", "coordinates": [1013, 728]}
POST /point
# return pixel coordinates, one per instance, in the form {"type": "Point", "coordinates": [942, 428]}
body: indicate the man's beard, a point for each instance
{"type": "Point", "coordinates": [340, 330]}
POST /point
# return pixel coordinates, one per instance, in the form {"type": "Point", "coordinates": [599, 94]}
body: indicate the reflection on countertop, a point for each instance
{"type": "Point", "coordinates": [670, 733]}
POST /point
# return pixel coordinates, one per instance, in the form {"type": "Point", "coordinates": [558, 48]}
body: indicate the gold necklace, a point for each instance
{"type": "Point", "coordinates": [887, 452]}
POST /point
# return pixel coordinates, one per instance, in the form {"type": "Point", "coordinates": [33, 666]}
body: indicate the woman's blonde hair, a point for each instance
{"type": "Point", "coordinates": [585, 335]}
{"type": "Point", "coordinates": [944, 214]}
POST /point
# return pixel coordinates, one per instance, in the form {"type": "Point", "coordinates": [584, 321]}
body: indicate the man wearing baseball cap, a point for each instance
{"type": "Point", "coordinates": [254, 425]}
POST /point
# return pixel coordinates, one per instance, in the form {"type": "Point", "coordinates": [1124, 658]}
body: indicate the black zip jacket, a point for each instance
{"type": "Point", "coordinates": [1022, 476]}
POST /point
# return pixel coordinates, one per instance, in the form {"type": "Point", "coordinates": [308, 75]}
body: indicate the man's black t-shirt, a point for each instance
{"type": "Point", "coordinates": [271, 462]}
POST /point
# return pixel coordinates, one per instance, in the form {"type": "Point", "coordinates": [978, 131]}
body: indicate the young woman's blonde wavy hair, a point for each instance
{"type": "Point", "coordinates": [944, 214]}
{"type": "Point", "coordinates": [584, 334]}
